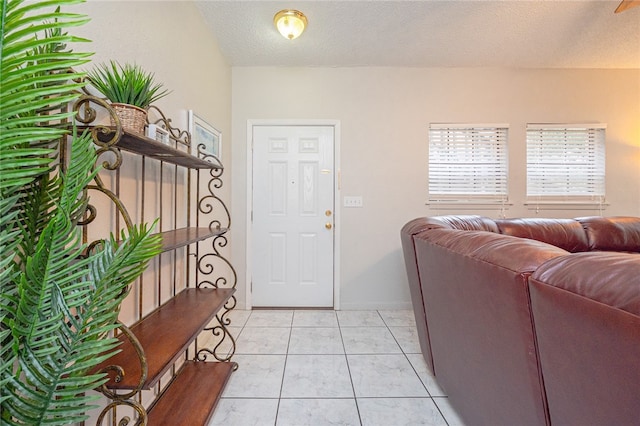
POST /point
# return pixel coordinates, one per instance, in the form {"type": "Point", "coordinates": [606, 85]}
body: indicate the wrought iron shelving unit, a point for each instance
{"type": "Point", "coordinates": [165, 340]}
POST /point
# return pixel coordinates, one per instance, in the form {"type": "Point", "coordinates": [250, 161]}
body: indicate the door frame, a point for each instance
{"type": "Point", "coordinates": [336, 199]}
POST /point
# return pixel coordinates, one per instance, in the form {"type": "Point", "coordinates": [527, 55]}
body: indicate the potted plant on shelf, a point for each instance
{"type": "Point", "coordinates": [130, 89]}
{"type": "Point", "coordinates": [58, 301]}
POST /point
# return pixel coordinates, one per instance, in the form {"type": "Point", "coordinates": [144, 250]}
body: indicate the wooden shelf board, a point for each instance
{"type": "Point", "coordinates": [192, 396]}
{"type": "Point", "coordinates": [140, 144]}
{"type": "Point", "coordinates": [184, 236]}
{"type": "Point", "coordinates": [166, 333]}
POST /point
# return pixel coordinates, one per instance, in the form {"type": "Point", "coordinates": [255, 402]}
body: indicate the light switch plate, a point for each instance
{"type": "Point", "coordinates": [353, 201]}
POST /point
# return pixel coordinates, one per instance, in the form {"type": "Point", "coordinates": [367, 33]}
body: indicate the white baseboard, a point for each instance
{"type": "Point", "coordinates": [372, 306]}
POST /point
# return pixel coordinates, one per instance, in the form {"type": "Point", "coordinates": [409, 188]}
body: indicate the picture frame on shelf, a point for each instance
{"type": "Point", "coordinates": [158, 133]}
{"type": "Point", "coordinates": [206, 140]}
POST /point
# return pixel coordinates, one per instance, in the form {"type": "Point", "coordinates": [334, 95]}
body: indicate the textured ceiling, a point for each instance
{"type": "Point", "coordinates": [430, 33]}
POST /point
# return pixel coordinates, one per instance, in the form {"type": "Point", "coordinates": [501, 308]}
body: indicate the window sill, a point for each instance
{"type": "Point", "coordinates": [467, 204]}
{"type": "Point", "coordinates": [565, 205]}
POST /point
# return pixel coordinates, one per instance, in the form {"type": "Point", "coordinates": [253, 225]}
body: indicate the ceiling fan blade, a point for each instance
{"type": "Point", "coordinates": [627, 4]}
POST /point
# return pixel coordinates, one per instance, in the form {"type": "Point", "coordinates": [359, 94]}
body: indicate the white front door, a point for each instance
{"type": "Point", "coordinates": [293, 211]}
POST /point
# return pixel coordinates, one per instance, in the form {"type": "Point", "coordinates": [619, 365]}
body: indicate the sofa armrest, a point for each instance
{"type": "Point", "coordinates": [610, 278]}
{"type": "Point", "coordinates": [476, 301]}
{"type": "Point", "coordinates": [586, 309]}
{"type": "Point", "coordinates": [407, 233]}
{"type": "Point", "coordinates": [464, 222]}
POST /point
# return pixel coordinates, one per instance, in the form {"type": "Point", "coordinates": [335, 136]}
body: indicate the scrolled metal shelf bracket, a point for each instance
{"type": "Point", "coordinates": [125, 398]}
{"type": "Point", "coordinates": [213, 269]}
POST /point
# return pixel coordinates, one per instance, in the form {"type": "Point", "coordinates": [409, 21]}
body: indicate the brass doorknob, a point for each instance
{"type": "Point", "coordinates": [328, 225]}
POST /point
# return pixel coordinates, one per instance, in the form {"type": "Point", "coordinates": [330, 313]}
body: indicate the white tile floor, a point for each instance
{"type": "Point", "coordinates": [321, 367]}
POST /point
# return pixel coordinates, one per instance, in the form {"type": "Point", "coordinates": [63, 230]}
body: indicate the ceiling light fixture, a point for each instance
{"type": "Point", "coordinates": [290, 23]}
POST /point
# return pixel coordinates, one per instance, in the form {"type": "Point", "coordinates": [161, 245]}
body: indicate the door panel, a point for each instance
{"type": "Point", "coordinates": [292, 229]}
{"type": "Point", "coordinates": [277, 188]}
{"type": "Point", "coordinates": [278, 258]}
{"type": "Point", "coordinates": [308, 188]}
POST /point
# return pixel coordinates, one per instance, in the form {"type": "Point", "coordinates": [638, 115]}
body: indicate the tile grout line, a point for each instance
{"type": "Point", "coordinates": [416, 372]}
{"type": "Point", "coordinates": [440, 411]}
{"type": "Point", "coordinates": [340, 327]}
{"type": "Point", "coordinates": [234, 347]}
{"type": "Point", "coordinates": [346, 358]}
{"type": "Point", "coordinates": [284, 369]}
{"type": "Point", "coordinates": [235, 339]}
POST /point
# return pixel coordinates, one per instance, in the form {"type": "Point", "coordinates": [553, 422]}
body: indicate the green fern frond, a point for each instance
{"type": "Point", "coordinates": [68, 306]}
{"type": "Point", "coordinates": [29, 60]}
{"type": "Point", "coordinates": [9, 241]}
{"type": "Point", "coordinates": [58, 308]}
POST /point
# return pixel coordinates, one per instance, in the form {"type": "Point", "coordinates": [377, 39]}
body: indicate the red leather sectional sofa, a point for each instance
{"type": "Point", "coordinates": [530, 321]}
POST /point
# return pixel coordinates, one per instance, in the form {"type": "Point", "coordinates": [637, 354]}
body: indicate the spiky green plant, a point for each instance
{"type": "Point", "coordinates": [126, 84]}
{"type": "Point", "coordinates": [57, 305]}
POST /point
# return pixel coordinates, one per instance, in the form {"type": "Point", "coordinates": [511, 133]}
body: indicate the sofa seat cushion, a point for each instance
{"type": "Point", "coordinates": [567, 234]}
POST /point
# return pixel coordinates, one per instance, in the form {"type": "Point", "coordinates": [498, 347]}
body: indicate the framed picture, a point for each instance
{"type": "Point", "coordinates": [159, 134]}
{"type": "Point", "coordinates": [206, 140]}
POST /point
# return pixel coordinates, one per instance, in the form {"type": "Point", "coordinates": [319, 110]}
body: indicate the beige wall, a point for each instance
{"type": "Point", "coordinates": [384, 115]}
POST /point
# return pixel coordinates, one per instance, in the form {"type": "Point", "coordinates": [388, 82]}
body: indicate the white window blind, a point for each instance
{"type": "Point", "coordinates": [468, 163]}
{"type": "Point", "coordinates": [566, 162]}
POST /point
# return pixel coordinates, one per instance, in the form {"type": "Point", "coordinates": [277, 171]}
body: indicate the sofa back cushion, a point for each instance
{"type": "Point", "coordinates": [567, 234]}
{"type": "Point", "coordinates": [618, 233]}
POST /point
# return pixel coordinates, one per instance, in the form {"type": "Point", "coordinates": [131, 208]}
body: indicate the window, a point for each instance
{"type": "Point", "coordinates": [565, 163]}
{"type": "Point", "coordinates": [468, 163]}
